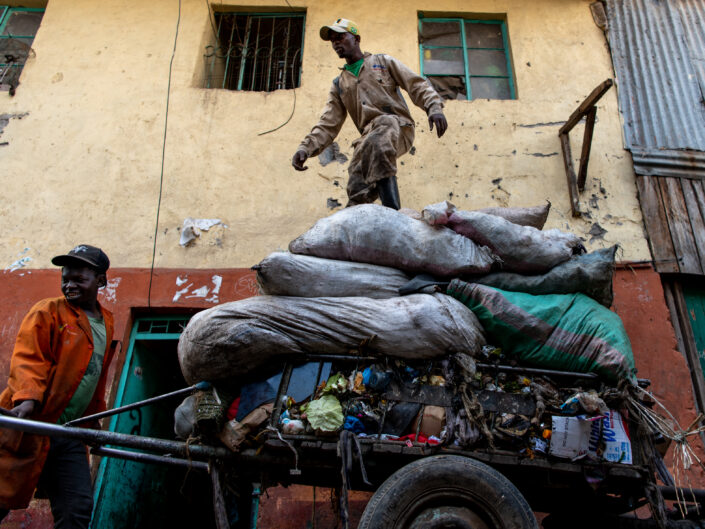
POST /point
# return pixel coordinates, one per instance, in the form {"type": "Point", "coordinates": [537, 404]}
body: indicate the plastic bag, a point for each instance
{"type": "Point", "coordinates": [568, 332]}
{"type": "Point", "coordinates": [590, 274]}
{"type": "Point", "coordinates": [324, 414]}
{"type": "Point", "coordinates": [287, 274]}
{"type": "Point", "coordinates": [374, 234]}
{"type": "Point", "coordinates": [233, 339]}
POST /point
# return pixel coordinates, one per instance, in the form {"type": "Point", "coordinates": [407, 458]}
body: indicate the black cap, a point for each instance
{"type": "Point", "coordinates": [84, 254]}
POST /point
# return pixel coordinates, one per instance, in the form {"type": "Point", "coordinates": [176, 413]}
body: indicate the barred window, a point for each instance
{"type": "Point", "coordinates": [18, 26]}
{"type": "Point", "coordinates": [255, 52]}
{"type": "Point", "coordinates": [466, 59]}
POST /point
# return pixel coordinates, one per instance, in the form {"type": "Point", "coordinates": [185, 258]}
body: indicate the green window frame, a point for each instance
{"type": "Point", "coordinates": [473, 68]}
{"type": "Point", "coordinates": [16, 45]}
{"type": "Point", "coordinates": [257, 52]}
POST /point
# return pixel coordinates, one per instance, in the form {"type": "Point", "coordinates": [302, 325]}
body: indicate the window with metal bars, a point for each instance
{"type": "Point", "coordinates": [466, 59]}
{"type": "Point", "coordinates": [255, 52]}
{"type": "Point", "coordinates": [18, 26]}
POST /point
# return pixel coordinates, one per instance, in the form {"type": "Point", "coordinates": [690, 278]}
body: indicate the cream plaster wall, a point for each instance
{"type": "Point", "coordinates": [84, 164]}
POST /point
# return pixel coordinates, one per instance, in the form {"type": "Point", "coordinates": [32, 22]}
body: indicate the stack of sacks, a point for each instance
{"type": "Point", "coordinates": [338, 287]}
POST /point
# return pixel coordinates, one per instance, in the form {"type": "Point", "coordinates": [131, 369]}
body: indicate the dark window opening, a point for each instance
{"type": "Point", "coordinates": [18, 27]}
{"type": "Point", "coordinates": [466, 59]}
{"type": "Point", "coordinates": [255, 52]}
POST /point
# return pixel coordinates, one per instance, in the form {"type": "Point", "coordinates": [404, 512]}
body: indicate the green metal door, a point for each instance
{"type": "Point", "coordinates": [132, 495]}
{"type": "Point", "coordinates": [694, 296]}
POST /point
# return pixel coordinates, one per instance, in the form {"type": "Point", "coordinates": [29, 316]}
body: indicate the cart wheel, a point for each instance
{"type": "Point", "coordinates": [447, 492]}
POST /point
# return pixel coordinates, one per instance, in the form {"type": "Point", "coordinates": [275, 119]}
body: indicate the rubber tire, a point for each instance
{"type": "Point", "coordinates": [447, 480]}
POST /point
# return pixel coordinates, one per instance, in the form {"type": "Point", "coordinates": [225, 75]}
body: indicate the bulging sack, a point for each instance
{"type": "Point", "coordinates": [233, 339]}
{"type": "Point", "coordinates": [374, 234]}
{"type": "Point", "coordinates": [569, 332]}
{"type": "Point", "coordinates": [590, 274]}
{"type": "Point", "coordinates": [521, 248]}
{"type": "Point", "coordinates": [288, 274]}
{"type": "Point", "coordinates": [535, 216]}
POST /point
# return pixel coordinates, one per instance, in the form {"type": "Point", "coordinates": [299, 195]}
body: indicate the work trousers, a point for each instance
{"type": "Point", "coordinates": [375, 157]}
{"type": "Point", "coordinates": [66, 481]}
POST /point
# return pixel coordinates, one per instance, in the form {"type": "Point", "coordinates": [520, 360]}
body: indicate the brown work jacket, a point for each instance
{"type": "Point", "coordinates": [52, 351]}
{"type": "Point", "coordinates": [373, 93]}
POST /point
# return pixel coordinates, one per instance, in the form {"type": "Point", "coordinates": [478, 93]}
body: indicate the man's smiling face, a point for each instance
{"type": "Point", "coordinates": [80, 285]}
{"type": "Point", "coordinates": [344, 44]}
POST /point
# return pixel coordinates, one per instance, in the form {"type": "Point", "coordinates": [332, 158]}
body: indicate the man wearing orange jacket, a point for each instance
{"type": "Point", "coordinates": [58, 373]}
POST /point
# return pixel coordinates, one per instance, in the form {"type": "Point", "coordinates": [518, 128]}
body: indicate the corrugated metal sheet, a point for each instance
{"type": "Point", "coordinates": [657, 49]}
{"type": "Point", "coordinates": [692, 15]}
{"type": "Point", "coordinates": [681, 164]}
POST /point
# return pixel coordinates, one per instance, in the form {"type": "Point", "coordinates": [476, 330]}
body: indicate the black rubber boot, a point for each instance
{"type": "Point", "coordinates": [389, 192]}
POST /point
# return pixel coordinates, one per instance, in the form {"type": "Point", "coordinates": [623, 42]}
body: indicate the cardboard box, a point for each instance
{"type": "Point", "coordinates": [613, 433]}
{"type": "Point", "coordinates": [570, 437]}
{"type": "Point", "coordinates": [432, 422]}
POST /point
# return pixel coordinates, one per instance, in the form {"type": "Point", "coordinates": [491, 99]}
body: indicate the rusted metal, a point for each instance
{"type": "Point", "coordinates": [102, 437]}
{"type": "Point", "coordinates": [537, 371]}
{"type": "Point", "coordinates": [657, 51]}
{"type": "Point", "coordinates": [135, 405]}
{"type": "Point", "coordinates": [220, 511]}
{"type": "Point", "coordinates": [141, 457]}
{"type": "Point", "coordinates": [283, 388]}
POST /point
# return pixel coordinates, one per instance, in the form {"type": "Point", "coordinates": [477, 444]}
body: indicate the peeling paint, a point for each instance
{"type": "Point", "coordinates": [333, 203]}
{"type": "Point", "coordinates": [19, 263]}
{"type": "Point", "coordinates": [189, 292]}
{"type": "Point", "coordinates": [597, 232]}
{"type": "Point", "coordinates": [541, 154]}
{"type": "Point", "coordinates": [5, 121]}
{"type": "Point", "coordinates": [179, 293]}
{"type": "Point", "coordinates": [109, 293]}
{"type": "Point", "coordinates": [332, 154]}
{"type": "Point", "coordinates": [547, 124]}
{"type": "Point", "coordinates": [192, 228]}
{"type": "Point", "coordinates": [217, 283]}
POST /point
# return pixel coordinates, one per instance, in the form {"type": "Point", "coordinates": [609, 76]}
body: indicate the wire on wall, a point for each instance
{"type": "Point", "coordinates": [161, 174]}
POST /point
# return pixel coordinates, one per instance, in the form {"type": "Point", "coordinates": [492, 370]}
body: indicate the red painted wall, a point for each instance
{"type": "Point", "coordinates": [639, 300]}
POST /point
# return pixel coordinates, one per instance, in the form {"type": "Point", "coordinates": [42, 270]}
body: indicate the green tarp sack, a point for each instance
{"type": "Point", "coordinates": [567, 332]}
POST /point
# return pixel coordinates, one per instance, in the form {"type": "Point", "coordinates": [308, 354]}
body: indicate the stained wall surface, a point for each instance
{"type": "Point", "coordinates": [82, 150]}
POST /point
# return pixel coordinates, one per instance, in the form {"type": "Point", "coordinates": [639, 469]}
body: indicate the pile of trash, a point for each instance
{"type": "Point", "coordinates": [468, 279]}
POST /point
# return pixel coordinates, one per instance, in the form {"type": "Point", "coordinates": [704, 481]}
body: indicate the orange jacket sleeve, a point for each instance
{"type": "Point", "coordinates": [31, 357]}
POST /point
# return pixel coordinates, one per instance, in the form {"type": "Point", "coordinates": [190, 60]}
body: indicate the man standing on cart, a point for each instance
{"type": "Point", "coordinates": [368, 90]}
{"type": "Point", "coordinates": [58, 373]}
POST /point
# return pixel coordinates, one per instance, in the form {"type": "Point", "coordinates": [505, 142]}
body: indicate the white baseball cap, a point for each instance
{"type": "Point", "coordinates": [342, 25]}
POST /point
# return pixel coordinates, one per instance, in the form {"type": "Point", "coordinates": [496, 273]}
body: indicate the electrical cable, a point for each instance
{"type": "Point", "coordinates": [292, 84]}
{"type": "Point", "coordinates": [161, 175]}
{"type": "Point", "coordinates": [211, 16]}
{"type": "Point", "coordinates": [293, 108]}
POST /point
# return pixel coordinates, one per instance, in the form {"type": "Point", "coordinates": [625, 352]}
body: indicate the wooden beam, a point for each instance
{"type": "Point", "coordinates": [679, 225]}
{"type": "Point", "coordinates": [587, 143]}
{"type": "Point", "coordinates": [696, 217]}
{"type": "Point", "coordinates": [576, 184]}
{"type": "Point", "coordinates": [570, 174]}
{"type": "Point", "coordinates": [656, 224]}
{"type": "Point", "coordinates": [589, 102]}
